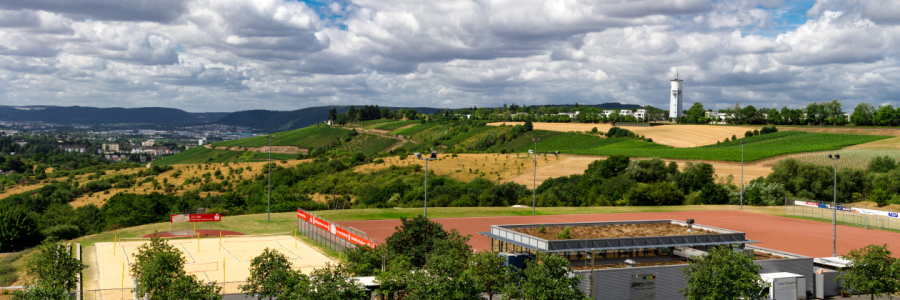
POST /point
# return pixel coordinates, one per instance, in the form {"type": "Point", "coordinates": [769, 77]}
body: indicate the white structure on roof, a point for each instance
{"type": "Point", "coordinates": [676, 103]}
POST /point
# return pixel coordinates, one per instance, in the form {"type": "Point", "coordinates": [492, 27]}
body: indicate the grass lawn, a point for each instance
{"type": "Point", "coordinates": [841, 223]}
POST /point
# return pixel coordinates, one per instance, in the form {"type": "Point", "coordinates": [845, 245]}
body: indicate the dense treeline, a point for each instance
{"type": "Point", "coordinates": [823, 113]}
{"type": "Point", "coordinates": [370, 112]}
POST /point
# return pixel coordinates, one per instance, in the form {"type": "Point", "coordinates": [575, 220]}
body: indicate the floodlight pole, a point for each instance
{"type": "Point", "coordinates": [742, 174]}
{"type": "Point", "coordinates": [534, 178]}
{"type": "Point", "coordinates": [426, 159]}
{"type": "Point", "coordinates": [834, 208]}
{"type": "Point", "coordinates": [269, 193]}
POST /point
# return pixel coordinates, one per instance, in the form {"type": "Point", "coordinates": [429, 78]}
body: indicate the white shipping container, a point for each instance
{"type": "Point", "coordinates": [784, 286]}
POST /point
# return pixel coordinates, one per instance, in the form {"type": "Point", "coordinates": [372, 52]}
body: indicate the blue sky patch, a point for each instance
{"type": "Point", "coordinates": [323, 9]}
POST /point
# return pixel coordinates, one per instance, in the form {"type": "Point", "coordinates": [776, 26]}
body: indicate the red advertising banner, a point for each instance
{"type": "Point", "coordinates": [334, 229]}
{"type": "Point", "coordinates": [195, 218]}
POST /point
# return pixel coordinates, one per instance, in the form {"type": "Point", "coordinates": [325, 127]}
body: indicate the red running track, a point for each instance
{"type": "Point", "coordinates": [809, 238]}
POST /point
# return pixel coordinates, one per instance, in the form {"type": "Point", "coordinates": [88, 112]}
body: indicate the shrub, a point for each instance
{"type": "Point", "coordinates": [882, 164]}
{"type": "Point", "coordinates": [880, 197]}
{"type": "Point", "coordinates": [62, 232]}
{"type": "Point", "coordinates": [564, 234]}
{"type": "Point", "coordinates": [18, 229]}
{"type": "Point", "coordinates": [748, 134]}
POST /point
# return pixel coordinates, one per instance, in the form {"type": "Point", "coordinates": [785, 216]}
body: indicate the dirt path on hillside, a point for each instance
{"type": "Point", "coordinates": [384, 134]}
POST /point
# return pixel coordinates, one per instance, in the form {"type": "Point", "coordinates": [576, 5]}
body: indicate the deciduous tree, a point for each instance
{"type": "Point", "coordinates": [55, 265]}
{"type": "Point", "coordinates": [159, 271]}
{"type": "Point", "coordinates": [722, 274]}
{"type": "Point", "coordinates": [488, 273]}
{"type": "Point", "coordinates": [269, 274]}
{"type": "Point", "coordinates": [872, 271]}
{"type": "Point", "coordinates": [546, 277]}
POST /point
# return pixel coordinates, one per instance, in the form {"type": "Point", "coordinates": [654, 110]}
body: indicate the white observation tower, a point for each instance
{"type": "Point", "coordinates": [676, 103]}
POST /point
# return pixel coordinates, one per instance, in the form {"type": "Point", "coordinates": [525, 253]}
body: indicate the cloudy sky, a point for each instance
{"type": "Point", "coordinates": [228, 55]}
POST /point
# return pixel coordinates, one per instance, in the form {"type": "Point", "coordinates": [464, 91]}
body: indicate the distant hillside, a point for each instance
{"type": "Point", "coordinates": [275, 121]}
{"type": "Point", "coordinates": [95, 116]}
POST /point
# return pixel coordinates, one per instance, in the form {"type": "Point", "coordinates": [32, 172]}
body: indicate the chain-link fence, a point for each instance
{"type": "Point", "coordinates": [842, 215]}
{"type": "Point", "coordinates": [228, 288]}
{"type": "Point", "coordinates": [327, 238]}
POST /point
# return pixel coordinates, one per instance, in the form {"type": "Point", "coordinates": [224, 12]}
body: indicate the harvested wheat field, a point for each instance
{"type": "Point", "coordinates": [466, 167]}
{"type": "Point", "coordinates": [681, 136]}
{"type": "Point", "coordinates": [844, 130]}
{"type": "Point", "coordinates": [229, 171]}
{"type": "Point", "coordinates": [225, 261]}
{"type": "Point", "coordinates": [887, 144]}
{"type": "Point", "coordinates": [576, 164]}
{"type": "Point", "coordinates": [612, 231]}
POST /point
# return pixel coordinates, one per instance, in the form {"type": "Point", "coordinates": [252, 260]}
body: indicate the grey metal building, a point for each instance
{"type": "Point", "coordinates": [602, 261]}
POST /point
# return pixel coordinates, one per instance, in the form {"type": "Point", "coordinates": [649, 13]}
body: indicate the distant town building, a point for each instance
{"type": "Point", "coordinates": [113, 147]}
{"type": "Point", "coordinates": [201, 141]}
{"type": "Point", "coordinates": [72, 148]}
{"type": "Point", "coordinates": [640, 114]}
{"type": "Point", "coordinates": [148, 143]}
{"type": "Point", "coordinates": [22, 143]}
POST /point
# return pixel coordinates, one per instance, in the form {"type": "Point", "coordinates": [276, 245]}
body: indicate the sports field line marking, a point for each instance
{"type": "Point", "coordinates": [309, 266]}
{"type": "Point", "coordinates": [189, 254]}
{"type": "Point", "coordinates": [229, 253]}
{"type": "Point", "coordinates": [257, 241]}
{"type": "Point", "coordinates": [288, 249]}
{"type": "Point", "coordinates": [202, 267]}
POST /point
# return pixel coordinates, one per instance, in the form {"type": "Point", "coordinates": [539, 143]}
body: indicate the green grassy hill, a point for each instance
{"type": "Point", "coordinates": [395, 125]}
{"type": "Point", "coordinates": [307, 138]}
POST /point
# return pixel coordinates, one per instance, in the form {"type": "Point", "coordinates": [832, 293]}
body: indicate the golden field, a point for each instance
{"type": "Point", "coordinates": [680, 136]}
